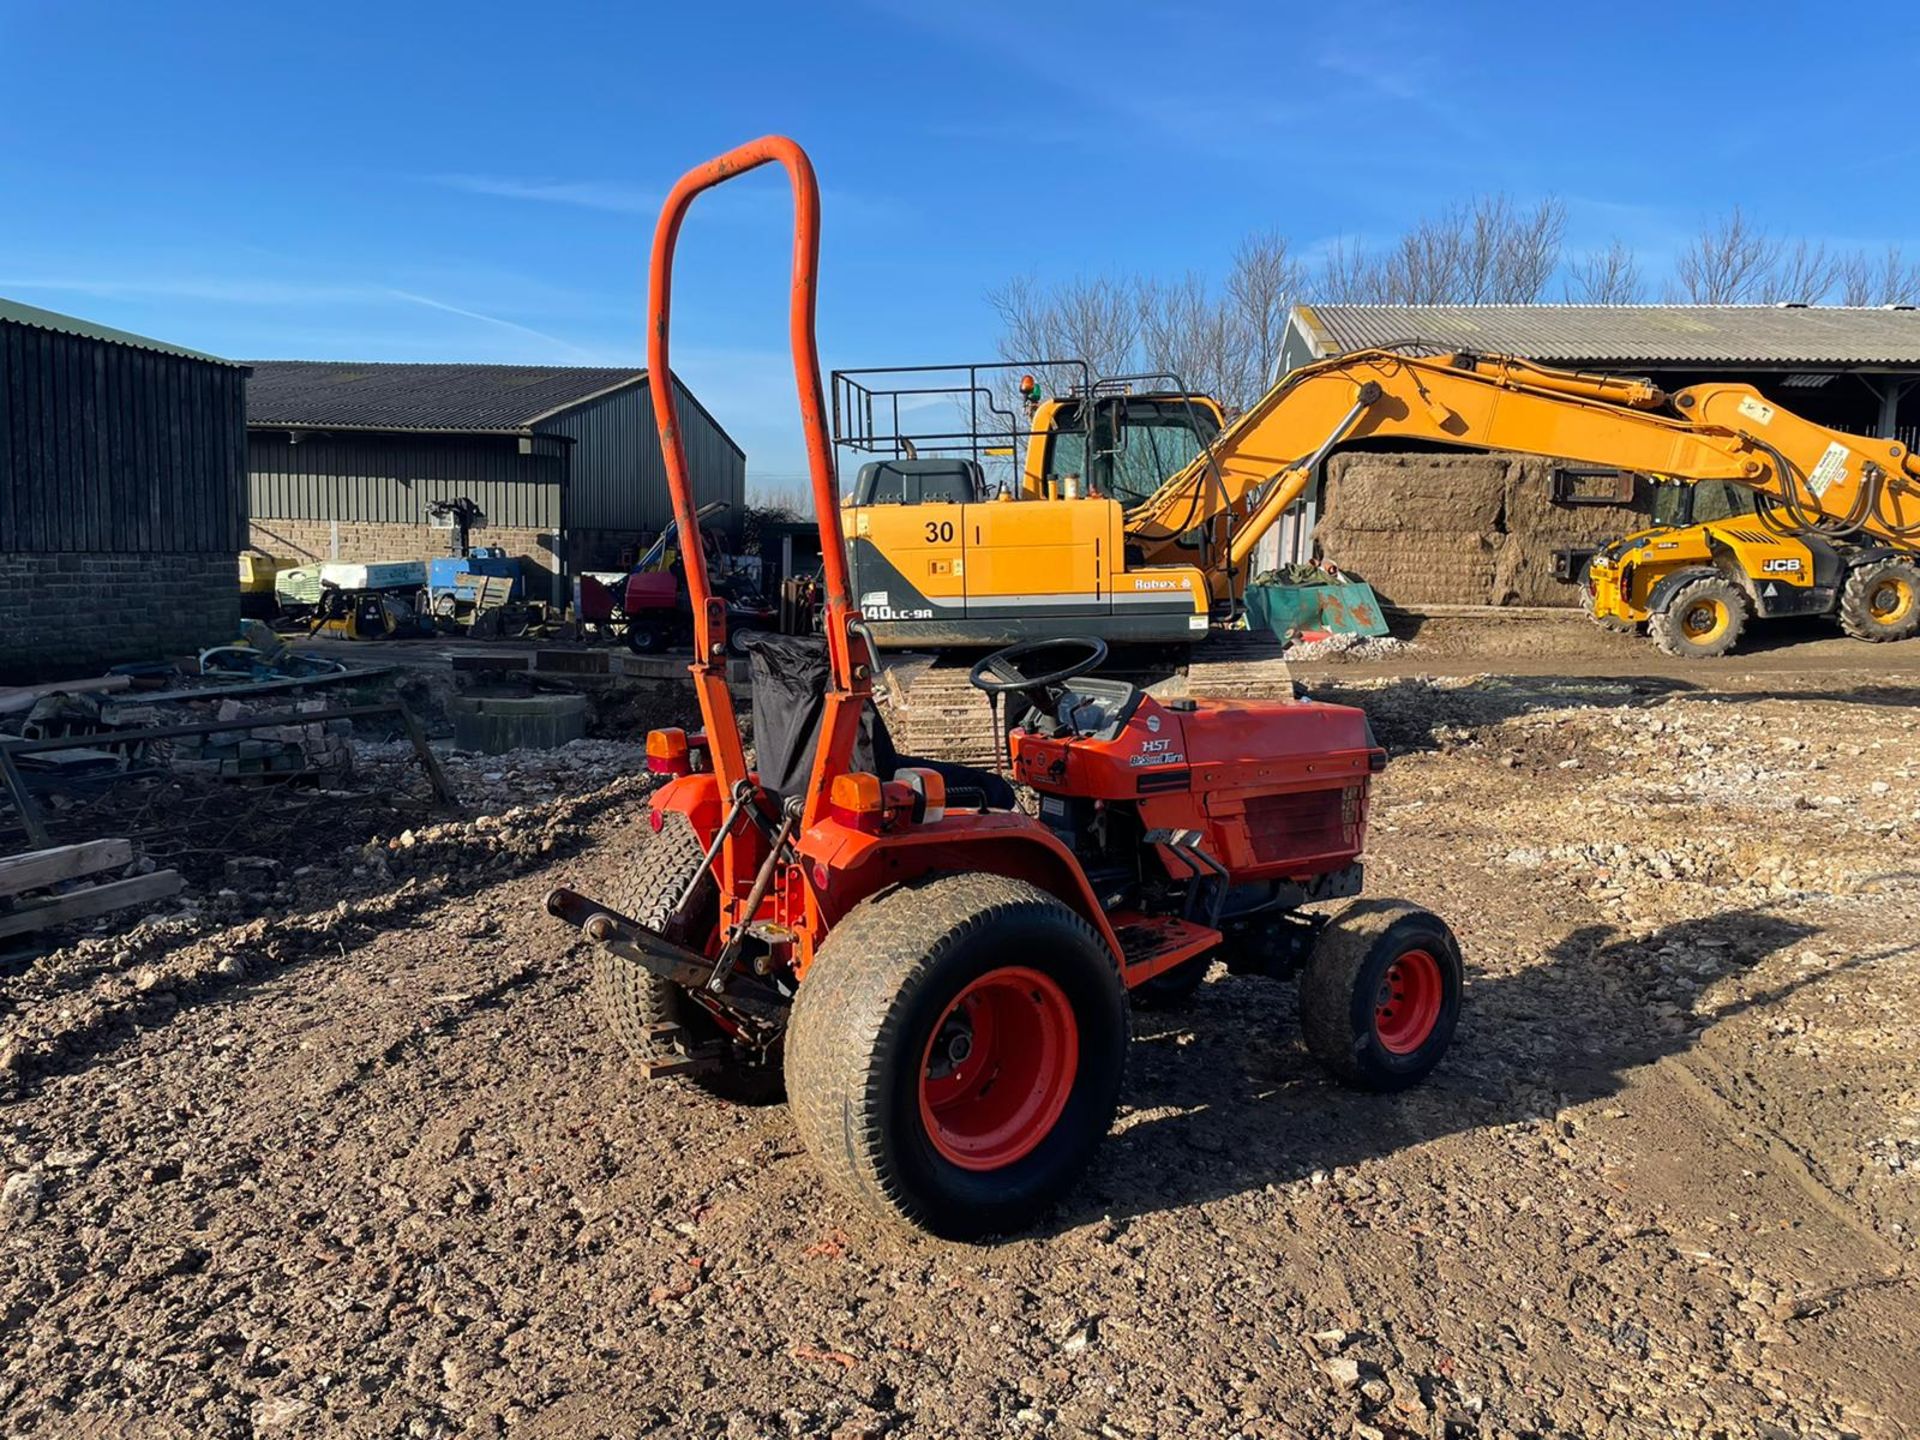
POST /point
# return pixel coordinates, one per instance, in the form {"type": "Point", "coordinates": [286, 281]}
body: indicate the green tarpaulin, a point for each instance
{"type": "Point", "coordinates": [1350, 609]}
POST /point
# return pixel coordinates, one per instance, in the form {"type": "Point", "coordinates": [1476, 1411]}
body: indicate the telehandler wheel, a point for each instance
{"type": "Point", "coordinates": [1171, 987]}
{"type": "Point", "coordinates": [1881, 601]}
{"type": "Point", "coordinates": [1381, 994]}
{"type": "Point", "coordinates": [956, 1052]}
{"type": "Point", "coordinates": [1703, 620]}
{"type": "Point", "coordinates": [635, 1001]}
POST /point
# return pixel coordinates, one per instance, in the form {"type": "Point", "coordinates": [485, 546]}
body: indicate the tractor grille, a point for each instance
{"type": "Point", "coordinates": [1305, 823]}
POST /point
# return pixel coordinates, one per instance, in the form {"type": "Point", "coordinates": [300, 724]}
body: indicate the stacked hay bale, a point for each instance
{"type": "Point", "coordinates": [1432, 528]}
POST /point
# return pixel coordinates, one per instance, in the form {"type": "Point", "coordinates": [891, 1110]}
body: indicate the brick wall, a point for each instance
{"type": "Point", "coordinates": [308, 541]}
{"type": "Point", "coordinates": [74, 614]}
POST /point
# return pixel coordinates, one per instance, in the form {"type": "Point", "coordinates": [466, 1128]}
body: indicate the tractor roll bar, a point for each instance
{"type": "Point", "coordinates": [850, 680]}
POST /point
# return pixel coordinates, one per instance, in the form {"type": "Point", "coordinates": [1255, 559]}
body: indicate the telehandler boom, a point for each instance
{"type": "Point", "coordinates": [1835, 520]}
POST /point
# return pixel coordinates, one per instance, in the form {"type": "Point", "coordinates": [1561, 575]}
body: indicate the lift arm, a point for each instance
{"type": "Point", "coordinates": [1816, 478]}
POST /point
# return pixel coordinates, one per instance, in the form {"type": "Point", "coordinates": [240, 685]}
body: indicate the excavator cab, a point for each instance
{"type": "Point", "coordinates": [936, 453]}
{"type": "Point", "coordinates": [1123, 446]}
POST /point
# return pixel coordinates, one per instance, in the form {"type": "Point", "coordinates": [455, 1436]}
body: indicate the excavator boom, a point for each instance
{"type": "Point", "coordinates": [1265, 460]}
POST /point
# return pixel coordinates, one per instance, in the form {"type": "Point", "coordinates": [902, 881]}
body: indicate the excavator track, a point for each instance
{"type": "Point", "coordinates": [932, 710]}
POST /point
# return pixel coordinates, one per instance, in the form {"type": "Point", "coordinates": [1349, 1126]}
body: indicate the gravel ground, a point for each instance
{"type": "Point", "coordinates": [346, 1154]}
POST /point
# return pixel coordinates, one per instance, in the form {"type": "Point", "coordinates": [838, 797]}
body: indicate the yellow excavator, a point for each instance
{"type": "Point", "coordinates": [1819, 522]}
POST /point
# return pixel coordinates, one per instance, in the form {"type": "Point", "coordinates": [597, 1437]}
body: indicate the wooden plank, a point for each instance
{"type": "Point", "coordinates": [84, 904]}
{"type": "Point", "coordinates": [39, 868]}
{"type": "Point", "coordinates": [24, 810]}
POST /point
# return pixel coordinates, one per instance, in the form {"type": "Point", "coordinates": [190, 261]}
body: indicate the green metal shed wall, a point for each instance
{"type": "Point", "coordinates": [617, 480]}
{"type": "Point", "coordinates": [391, 477]}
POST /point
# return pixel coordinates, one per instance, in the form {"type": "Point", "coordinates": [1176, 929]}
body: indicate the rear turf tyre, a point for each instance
{"type": "Point", "coordinates": [634, 1000]}
{"type": "Point", "coordinates": [1702, 621]}
{"type": "Point", "coordinates": [1881, 601]}
{"type": "Point", "coordinates": [1381, 994]}
{"type": "Point", "coordinates": [956, 1053]}
{"type": "Point", "coordinates": [1172, 988]}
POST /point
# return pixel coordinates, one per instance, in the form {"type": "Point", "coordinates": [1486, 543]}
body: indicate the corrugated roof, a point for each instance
{"type": "Point", "coordinates": [20, 313]}
{"type": "Point", "coordinates": [1588, 334]}
{"type": "Point", "coordinates": [456, 398]}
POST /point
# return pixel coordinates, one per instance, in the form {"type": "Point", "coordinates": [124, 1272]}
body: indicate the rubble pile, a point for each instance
{"type": "Point", "coordinates": [489, 782]}
{"type": "Point", "coordinates": [1345, 646]}
{"type": "Point", "coordinates": [319, 747]}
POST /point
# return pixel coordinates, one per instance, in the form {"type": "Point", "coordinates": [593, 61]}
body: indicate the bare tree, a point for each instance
{"type": "Point", "coordinates": [1186, 332]}
{"type": "Point", "coordinates": [1730, 263]}
{"type": "Point", "coordinates": [1261, 288]}
{"type": "Point", "coordinates": [1606, 277]}
{"type": "Point", "coordinates": [1486, 251]}
{"type": "Point", "coordinates": [1887, 279]}
{"type": "Point", "coordinates": [1526, 249]}
{"type": "Point", "coordinates": [1349, 275]}
{"type": "Point", "coordinates": [1425, 266]}
{"type": "Point", "coordinates": [1093, 320]}
{"type": "Point", "coordinates": [1805, 274]}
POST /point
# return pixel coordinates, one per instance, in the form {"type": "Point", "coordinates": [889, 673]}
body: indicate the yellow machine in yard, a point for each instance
{"type": "Point", "coordinates": [1818, 522]}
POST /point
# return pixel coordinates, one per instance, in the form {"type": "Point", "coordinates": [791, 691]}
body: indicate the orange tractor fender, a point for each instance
{"type": "Point", "coordinates": [845, 865]}
{"type": "Point", "coordinates": [997, 843]}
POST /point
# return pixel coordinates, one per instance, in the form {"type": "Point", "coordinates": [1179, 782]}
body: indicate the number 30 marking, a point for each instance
{"type": "Point", "coordinates": [940, 533]}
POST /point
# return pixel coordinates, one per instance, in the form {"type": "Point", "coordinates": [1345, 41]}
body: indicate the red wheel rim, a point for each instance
{"type": "Point", "coordinates": [1407, 1005]}
{"type": "Point", "coordinates": [998, 1068]}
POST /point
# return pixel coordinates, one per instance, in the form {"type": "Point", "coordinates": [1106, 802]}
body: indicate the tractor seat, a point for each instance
{"type": "Point", "coordinates": [789, 707]}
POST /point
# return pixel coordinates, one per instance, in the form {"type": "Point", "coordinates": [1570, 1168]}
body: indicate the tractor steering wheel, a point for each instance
{"type": "Point", "coordinates": [1000, 673]}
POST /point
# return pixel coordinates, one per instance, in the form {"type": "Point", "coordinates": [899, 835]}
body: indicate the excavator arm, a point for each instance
{"type": "Point", "coordinates": [1813, 477]}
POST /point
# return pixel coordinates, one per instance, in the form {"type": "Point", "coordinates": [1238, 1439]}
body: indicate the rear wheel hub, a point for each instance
{"type": "Point", "coordinates": [999, 1068]}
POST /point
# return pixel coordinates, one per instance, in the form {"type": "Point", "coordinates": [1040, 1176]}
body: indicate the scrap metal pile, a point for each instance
{"type": "Point", "coordinates": [192, 770]}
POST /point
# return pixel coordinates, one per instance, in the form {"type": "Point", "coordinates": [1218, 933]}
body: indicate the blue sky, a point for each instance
{"type": "Point", "coordinates": [479, 181]}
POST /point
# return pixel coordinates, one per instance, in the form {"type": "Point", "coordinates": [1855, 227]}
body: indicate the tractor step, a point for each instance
{"type": "Point", "coordinates": [1151, 945]}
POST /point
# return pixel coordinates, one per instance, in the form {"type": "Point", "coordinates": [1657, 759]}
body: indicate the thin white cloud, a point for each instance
{"type": "Point", "coordinates": [621, 198]}
{"type": "Point", "coordinates": [432, 304]}
{"type": "Point", "coordinates": [610, 195]}
{"type": "Point", "coordinates": [268, 295]}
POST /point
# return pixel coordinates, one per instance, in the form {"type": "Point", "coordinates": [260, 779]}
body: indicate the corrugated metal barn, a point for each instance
{"type": "Point", "coordinates": [122, 494]}
{"type": "Point", "coordinates": [564, 461]}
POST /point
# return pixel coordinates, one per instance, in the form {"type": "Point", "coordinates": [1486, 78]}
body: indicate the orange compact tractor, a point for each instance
{"type": "Point", "coordinates": [937, 982]}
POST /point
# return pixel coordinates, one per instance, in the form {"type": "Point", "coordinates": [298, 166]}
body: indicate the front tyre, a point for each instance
{"type": "Point", "coordinates": [1702, 621]}
{"type": "Point", "coordinates": [956, 1052]}
{"type": "Point", "coordinates": [1381, 995]}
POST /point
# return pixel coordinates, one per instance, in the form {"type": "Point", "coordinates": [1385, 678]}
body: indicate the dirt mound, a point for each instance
{"type": "Point", "coordinates": [351, 1156]}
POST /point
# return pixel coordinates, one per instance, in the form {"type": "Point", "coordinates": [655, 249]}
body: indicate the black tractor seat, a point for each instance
{"type": "Point", "coordinates": [789, 705]}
